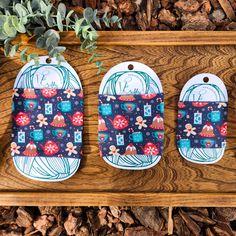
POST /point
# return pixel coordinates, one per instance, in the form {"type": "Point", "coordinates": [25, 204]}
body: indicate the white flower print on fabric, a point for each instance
{"type": "Point", "coordinates": [110, 97]}
{"type": "Point", "coordinates": [222, 104]}
{"type": "Point", "coordinates": [71, 149]}
{"type": "Point", "coordinates": [15, 93]}
{"type": "Point", "coordinates": [70, 92]}
{"type": "Point", "coordinates": [41, 120]}
{"type": "Point", "coordinates": [114, 151]}
{"type": "Point", "coordinates": [14, 149]}
{"type": "Point", "coordinates": [190, 130]}
{"type": "Point", "coordinates": [141, 122]}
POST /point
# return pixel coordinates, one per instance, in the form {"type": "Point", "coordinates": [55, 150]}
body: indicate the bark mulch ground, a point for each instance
{"type": "Point", "coordinates": [117, 221]}
{"type": "Point", "coordinates": [166, 14]}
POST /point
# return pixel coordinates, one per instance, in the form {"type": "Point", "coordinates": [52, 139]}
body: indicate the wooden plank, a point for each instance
{"type": "Point", "coordinates": [125, 199]}
{"type": "Point", "coordinates": [151, 38]}
{"type": "Point", "coordinates": [173, 181]}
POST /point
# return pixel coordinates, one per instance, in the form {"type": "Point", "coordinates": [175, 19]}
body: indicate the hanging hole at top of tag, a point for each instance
{"type": "Point", "coordinates": [48, 60]}
{"type": "Point", "coordinates": [205, 79]}
{"type": "Point", "coordinates": [130, 67]}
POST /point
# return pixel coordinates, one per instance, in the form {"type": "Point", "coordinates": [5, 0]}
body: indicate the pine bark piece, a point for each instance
{"type": "Point", "coordinates": [228, 9]}
{"type": "Point", "coordinates": [233, 4]}
{"type": "Point", "coordinates": [71, 224]}
{"type": "Point", "coordinates": [165, 4]}
{"type": "Point", "coordinates": [231, 26]}
{"type": "Point", "coordinates": [141, 19]}
{"type": "Point", "coordinates": [215, 4]}
{"type": "Point", "coordinates": [195, 229]}
{"type": "Point", "coordinates": [127, 7]}
{"type": "Point", "coordinates": [115, 211]}
{"type": "Point", "coordinates": [56, 231]}
{"type": "Point", "coordinates": [218, 15]}
{"type": "Point", "coordinates": [140, 231]}
{"type": "Point", "coordinates": [50, 210]}
{"type": "Point", "coordinates": [168, 18]}
{"type": "Point", "coordinates": [197, 21]}
{"type": "Point", "coordinates": [102, 213]}
{"type": "Point", "coordinates": [209, 232]}
{"type": "Point", "coordinates": [7, 215]}
{"type": "Point", "coordinates": [206, 6]}
{"type": "Point", "coordinates": [91, 3]}
{"type": "Point", "coordinates": [202, 218]}
{"type": "Point", "coordinates": [24, 218]}
{"type": "Point", "coordinates": [190, 6]}
{"type": "Point", "coordinates": [43, 223]}
{"type": "Point", "coordinates": [126, 218]}
{"type": "Point", "coordinates": [180, 227]}
{"type": "Point", "coordinates": [82, 231]}
{"type": "Point", "coordinates": [229, 213]}
{"type": "Point", "coordinates": [10, 233]}
{"type": "Point", "coordinates": [149, 217]}
{"type": "Point", "coordinates": [222, 232]}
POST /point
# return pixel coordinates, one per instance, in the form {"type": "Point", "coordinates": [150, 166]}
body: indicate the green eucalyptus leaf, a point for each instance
{"type": "Point", "coordinates": [78, 26]}
{"type": "Point", "coordinates": [21, 10]}
{"type": "Point", "coordinates": [35, 4]}
{"type": "Point", "coordinates": [2, 35]}
{"type": "Point", "coordinates": [44, 7]}
{"type": "Point", "coordinates": [59, 21]}
{"type": "Point", "coordinates": [18, 25]}
{"type": "Point", "coordinates": [106, 22]}
{"type": "Point", "coordinates": [114, 19]}
{"type": "Point", "coordinates": [52, 33]}
{"type": "Point", "coordinates": [23, 55]}
{"type": "Point", "coordinates": [29, 8]}
{"type": "Point", "coordinates": [41, 42]}
{"type": "Point", "coordinates": [4, 3]}
{"type": "Point", "coordinates": [98, 63]}
{"type": "Point", "coordinates": [39, 30]}
{"type": "Point", "coordinates": [8, 28]}
{"type": "Point", "coordinates": [88, 14]}
{"type": "Point", "coordinates": [7, 46]}
{"type": "Point", "coordinates": [13, 50]}
{"type": "Point", "coordinates": [68, 20]}
{"type": "Point", "coordinates": [51, 41]}
{"type": "Point", "coordinates": [2, 20]}
{"type": "Point", "coordinates": [60, 49]}
{"type": "Point", "coordinates": [62, 10]}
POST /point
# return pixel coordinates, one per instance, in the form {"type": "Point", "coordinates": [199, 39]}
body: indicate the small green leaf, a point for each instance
{"type": "Point", "coordinates": [23, 55]}
{"type": "Point", "coordinates": [60, 49]}
{"type": "Point", "coordinates": [40, 42]}
{"type": "Point", "coordinates": [59, 21]}
{"type": "Point", "coordinates": [21, 10]}
{"type": "Point", "coordinates": [13, 50]}
{"type": "Point", "coordinates": [4, 3]}
{"type": "Point", "coordinates": [7, 47]}
{"type": "Point", "coordinates": [39, 30]}
{"type": "Point", "coordinates": [78, 25]}
{"type": "Point", "coordinates": [62, 10]}
{"type": "Point", "coordinates": [8, 28]}
{"type": "Point", "coordinates": [88, 14]}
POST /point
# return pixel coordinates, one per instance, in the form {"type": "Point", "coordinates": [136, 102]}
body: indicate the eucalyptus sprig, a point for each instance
{"type": "Point", "coordinates": [42, 20]}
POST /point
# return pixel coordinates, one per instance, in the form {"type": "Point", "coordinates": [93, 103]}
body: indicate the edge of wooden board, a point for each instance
{"type": "Point", "coordinates": [150, 38]}
{"type": "Point", "coordinates": [124, 199]}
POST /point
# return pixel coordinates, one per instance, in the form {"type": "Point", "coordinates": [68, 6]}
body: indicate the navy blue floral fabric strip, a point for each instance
{"type": "Point", "coordinates": [47, 122]}
{"type": "Point", "coordinates": [131, 124]}
{"type": "Point", "coordinates": [202, 124]}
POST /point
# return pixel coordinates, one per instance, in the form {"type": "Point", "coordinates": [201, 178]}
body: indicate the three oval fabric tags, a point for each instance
{"type": "Point", "coordinates": [47, 111]}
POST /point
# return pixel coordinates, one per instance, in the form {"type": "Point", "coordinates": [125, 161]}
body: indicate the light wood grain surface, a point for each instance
{"type": "Point", "coordinates": [173, 181]}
